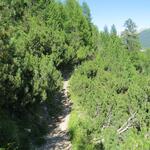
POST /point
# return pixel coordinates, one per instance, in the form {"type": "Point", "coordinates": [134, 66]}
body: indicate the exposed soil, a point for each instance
{"type": "Point", "coordinates": [58, 137]}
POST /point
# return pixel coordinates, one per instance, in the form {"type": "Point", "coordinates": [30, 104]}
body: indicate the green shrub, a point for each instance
{"type": "Point", "coordinates": [110, 91]}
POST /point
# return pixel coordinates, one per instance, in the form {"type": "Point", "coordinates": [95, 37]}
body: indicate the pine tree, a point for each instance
{"type": "Point", "coordinates": [106, 29]}
{"type": "Point", "coordinates": [130, 36]}
{"type": "Point", "coordinates": [86, 11]}
{"type": "Point", "coordinates": [113, 30]}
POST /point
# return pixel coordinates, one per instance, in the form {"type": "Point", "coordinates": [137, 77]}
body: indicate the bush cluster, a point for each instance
{"type": "Point", "coordinates": [37, 38]}
{"type": "Point", "coordinates": [111, 100]}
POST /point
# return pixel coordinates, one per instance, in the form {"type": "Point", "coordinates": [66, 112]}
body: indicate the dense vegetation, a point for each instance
{"type": "Point", "coordinates": [145, 38]}
{"type": "Point", "coordinates": [37, 38]}
{"type": "Point", "coordinates": [111, 98]}
{"type": "Point", "coordinates": [110, 87]}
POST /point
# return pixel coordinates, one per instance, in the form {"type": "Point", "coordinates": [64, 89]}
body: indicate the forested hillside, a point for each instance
{"type": "Point", "coordinates": [37, 38]}
{"type": "Point", "coordinates": [111, 100]}
{"type": "Point", "coordinates": [145, 38]}
{"type": "Point", "coordinates": [109, 87]}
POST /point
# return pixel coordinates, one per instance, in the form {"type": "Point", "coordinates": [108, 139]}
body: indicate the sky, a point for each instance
{"type": "Point", "coordinates": [108, 12]}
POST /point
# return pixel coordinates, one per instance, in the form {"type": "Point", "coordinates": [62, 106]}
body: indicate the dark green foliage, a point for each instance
{"type": "Point", "coordinates": [37, 38]}
{"type": "Point", "coordinates": [81, 35]}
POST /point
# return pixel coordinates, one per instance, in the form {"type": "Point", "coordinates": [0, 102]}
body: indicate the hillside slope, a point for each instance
{"type": "Point", "coordinates": [145, 38]}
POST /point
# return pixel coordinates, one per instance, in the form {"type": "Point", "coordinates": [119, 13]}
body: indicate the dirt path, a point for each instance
{"type": "Point", "coordinates": [58, 138]}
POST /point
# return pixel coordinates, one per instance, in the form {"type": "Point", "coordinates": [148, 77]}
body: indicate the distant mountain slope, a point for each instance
{"type": "Point", "coordinates": [145, 38]}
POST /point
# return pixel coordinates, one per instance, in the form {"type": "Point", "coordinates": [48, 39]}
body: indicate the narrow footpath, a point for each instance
{"type": "Point", "coordinates": [58, 137]}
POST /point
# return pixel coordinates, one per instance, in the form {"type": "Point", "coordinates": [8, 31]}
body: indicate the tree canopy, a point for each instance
{"type": "Point", "coordinates": [110, 87]}
{"type": "Point", "coordinates": [130, 36]}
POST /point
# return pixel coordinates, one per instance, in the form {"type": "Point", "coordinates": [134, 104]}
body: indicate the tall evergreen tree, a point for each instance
{"type": "Point", "coordinates": [86, 11]}
{"type": "Point", "coordinates": [130, 36]}
{"type": "Point", "coordinates": [106, 29]}
{"type": "Point", "coordinates": [113, 30]}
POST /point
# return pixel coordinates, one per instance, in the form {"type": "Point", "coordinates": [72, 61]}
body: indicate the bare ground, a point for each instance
{"type": "Point", "coordinates": [58, 137]}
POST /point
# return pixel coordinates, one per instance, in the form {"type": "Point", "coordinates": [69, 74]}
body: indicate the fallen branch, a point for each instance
{"type": "Point", "coordinates": [127, 124]}
{"type": "Point", "coordinates": [109, 116]}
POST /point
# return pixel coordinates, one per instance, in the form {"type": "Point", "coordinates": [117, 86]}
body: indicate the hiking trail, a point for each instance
{"type": "Point", "coordinates": [58, 137]}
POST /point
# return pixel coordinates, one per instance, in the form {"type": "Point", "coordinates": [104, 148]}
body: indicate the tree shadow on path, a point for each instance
{"type": "Point", "coordinates": [58, 136]}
